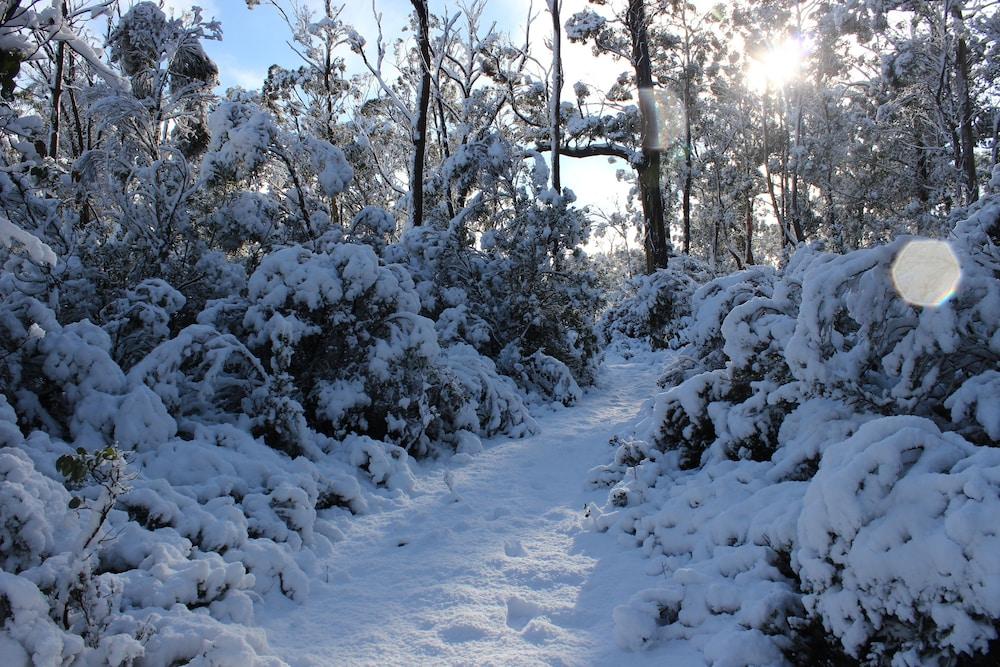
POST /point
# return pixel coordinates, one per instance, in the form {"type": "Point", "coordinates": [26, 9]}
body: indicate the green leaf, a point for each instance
{"type": "Point", "coordinates": [75, 503]}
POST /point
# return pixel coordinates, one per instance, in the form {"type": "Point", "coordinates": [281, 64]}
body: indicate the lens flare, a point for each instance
{"type": "Point", "coordinates": [926, 272]}
{"type": "Point", "coordinates": [666, 118]}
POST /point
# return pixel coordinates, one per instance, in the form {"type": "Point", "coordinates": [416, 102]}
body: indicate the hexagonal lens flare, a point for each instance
{"type": "Point", "coordinates": [926, 272]}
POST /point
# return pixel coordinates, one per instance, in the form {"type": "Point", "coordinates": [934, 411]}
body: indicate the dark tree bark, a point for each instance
{"type": "Point", "coordinates": [648, 170]}
{"type": "Point", "coordinates": [419, 128]}
{"type": "Point", "coordinates": [557, 84]}
{"type": "Point", "coordinates": [748, 223]}
{"type": "Point", "coordinates": [995, 150]}
{"type": "Point", "coordinates": [57, 89]}
{"type": "Point", "coordinates": [688, 166]}
{"type": "Point", "coordinates": [965, 130]}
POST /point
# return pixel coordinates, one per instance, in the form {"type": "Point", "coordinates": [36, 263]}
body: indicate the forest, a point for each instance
{"type": "Point", "coordinates": [237, 327]}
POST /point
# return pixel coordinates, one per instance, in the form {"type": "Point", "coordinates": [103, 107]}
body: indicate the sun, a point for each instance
{"type": "Point", "coordinates": [778, 66]}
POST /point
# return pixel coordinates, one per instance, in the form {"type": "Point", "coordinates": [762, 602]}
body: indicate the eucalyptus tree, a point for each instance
{"type": "Point", "coordinates": [632, 133]}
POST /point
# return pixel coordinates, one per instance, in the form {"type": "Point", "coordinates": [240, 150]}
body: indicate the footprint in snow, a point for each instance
{"type": "Point", "coordinates": [462, 632]}
{"type": "Point", "coordinates": [540, 631]}
{"type": "Point", "coordinates": [520, 612]}
{"type": "Point", "coordinates": [514, 548]}
{"type": "Point", "coordinates": [499, 513]}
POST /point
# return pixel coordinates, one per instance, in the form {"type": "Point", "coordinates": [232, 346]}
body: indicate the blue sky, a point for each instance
{"type": "Point", "coordinates": [254, 40]}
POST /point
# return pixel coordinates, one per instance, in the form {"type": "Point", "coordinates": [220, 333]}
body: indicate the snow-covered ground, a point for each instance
{"type": "Point", "coordinates": [487, 561]}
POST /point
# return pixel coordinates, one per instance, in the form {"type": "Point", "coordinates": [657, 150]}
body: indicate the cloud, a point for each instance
{"type": "Point", "coordinates": [234, 71]}
{"type": "Point", "coordinates": [210, 8]}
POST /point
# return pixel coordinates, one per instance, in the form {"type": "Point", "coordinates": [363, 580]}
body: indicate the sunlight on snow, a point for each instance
{"type": "Point", "coordinates": [778, 65]}
{"type": "Point", "coordinates": [926, 272]}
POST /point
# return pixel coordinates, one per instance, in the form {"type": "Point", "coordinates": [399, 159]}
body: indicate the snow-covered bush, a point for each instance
{"type": "Point", "coordinates": [528, 289]}
{"type": "Point", "coordinates": [550, 295]}
{"type": "Point", "coordinates": [51, 372]}
{"type": "Point", "coordinates": [655, 307]}
{"type": "Point", "coordinates": [477, 398]}
{"type": "Point", "coordinates": [348, 331]}
{"type": "Point", "coordinates": [701, 334]}
{"type": "Point", "coordinates": [895, 549]}
{"type": "Point", "coordinates": [140, 319]}
{"type": "Point", "coordinates": [542, 375]}
{"type": "Point", "coordinates": [856, 338]}
{"type": "Point", "coordinates": [809, 476]}
{"type": "Point", "coordinates": [202, 374]}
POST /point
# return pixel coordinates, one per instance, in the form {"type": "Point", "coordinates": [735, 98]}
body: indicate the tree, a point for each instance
{"type": "Point", "coordinates": [555, 99]}
{"type": "Point", "coordinates": [420, 118]}
{"type": "Point", "coordinates": [626, 36]}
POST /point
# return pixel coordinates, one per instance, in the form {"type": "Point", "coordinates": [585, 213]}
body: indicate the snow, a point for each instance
{"type": "Point", "coordinates": [895, 527]}
{"type": "Point", "coordinates": [488, 560]}
{"type": "Point", "coordinates": [14, 236]}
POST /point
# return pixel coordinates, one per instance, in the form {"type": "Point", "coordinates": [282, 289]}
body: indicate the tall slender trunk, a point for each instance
{"type": "Point", "coordinates": [795, 204]}
{"type": "Point", "coordinates": [57, 89]}
{"type": "Point", "coordinates": [748, 223]}
{"type": "Point", "coordinates": [688, 165]}
{"type": "Point", "coordinates": [444, 140]}
{"type": "Point", "coordinates": [965, 129]}
{"type": "Point", "coordinates": [995, 151]}
{"type": "Point", "coordinates": [769, 176]}
{"type": "Point", "coordinates": [648, 171]}
{"type": "Point", "coordinates": [419, 128]}
{"type": "Point", "coordinates": [555, 129]}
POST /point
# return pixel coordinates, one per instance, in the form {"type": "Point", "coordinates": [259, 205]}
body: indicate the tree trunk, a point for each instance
{"type": "Point", "coordinates": [555, 130]}
{"type": "Point", "coordinates": [57, 89]}
{"type": "Point", "coordinates": [748, 222]}
{"type": "Point", "coordinates": [795, 207]}
{"type": "Point", "coordinates": [769, 177]}
{"type": "Point", "coordinates": [688, 165]}
{"type": "Point", "coordinates": [965, 129]}
{"type": "Point", "coordinates": [995, 151]}
{"type": "Point", "coordinates": [648, 171]}
{"type": "Point", "coordinates": [419, 128]}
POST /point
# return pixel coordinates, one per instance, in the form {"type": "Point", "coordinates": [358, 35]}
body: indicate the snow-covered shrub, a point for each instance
{"type": "Point", "coordinates": [856, 338]}
{"type": "Point", "coordinates": [823, 441]}
{"type": "Point", "coordinates": [247, 220]}
{"type": "Point", "coordinates": [372, 226]}
{"type": "Point", "coordinates": [30, 635]}
{"type": "Point", "coordinates": [896, 546]}
{"type": "Point", "coordinates": [140, 319]}
{"type": "Point", "coordinates": [477, 398]}
{"type": "Point", "coordinates": [33, 521]}
{"type": "Point", "coordinates": [701, 334]}
{"type": "Point", "coordinates": [975, 407]}
{"type": "Point", "coordinates": [655, 307]}
{"type": "Point", "coordinates": [347, 329]}
{"type": "Point", "coordinates": [527, 287]}
{"type": "Point", "coordinates": [549, 294]}
{"type": "Point", "coordinates": [202, 373]}
{"type": "Point", "coordinates": [541, 375]}
{"type": "Point", "coordinates": [680, 419]}
{"type": "Point", "coordinates": [245, 142]}
{"type": "Point", "coordinates": [52, 371]}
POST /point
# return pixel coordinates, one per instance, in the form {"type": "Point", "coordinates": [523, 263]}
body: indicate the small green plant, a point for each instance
{"type": "Point", "coordinates": [108, 469]}
{"type": "Point", "coordinates": [105, 467]}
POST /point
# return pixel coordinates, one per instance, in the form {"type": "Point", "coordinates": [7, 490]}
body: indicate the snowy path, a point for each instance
{"type": "Point", "coordinates": [504, 575]}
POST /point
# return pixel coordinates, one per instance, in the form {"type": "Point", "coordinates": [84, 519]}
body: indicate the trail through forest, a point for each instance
{"type": "Point", "coordinates": [487, 562]}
